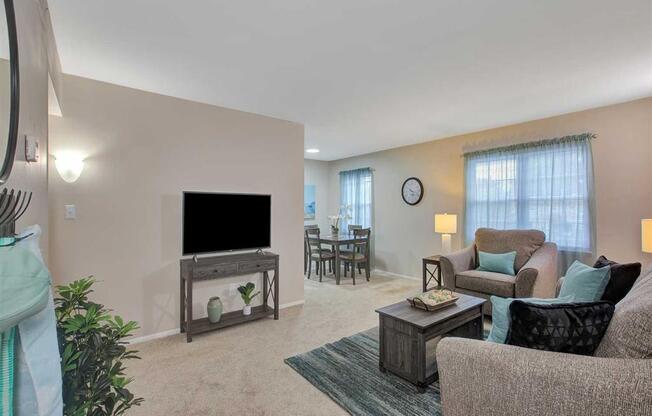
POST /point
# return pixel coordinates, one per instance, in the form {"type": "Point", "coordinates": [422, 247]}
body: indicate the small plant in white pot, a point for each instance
{"type": "Point", "coordinates": [247, 294]}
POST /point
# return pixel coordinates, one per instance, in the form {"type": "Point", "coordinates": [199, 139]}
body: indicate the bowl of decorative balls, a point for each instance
{"type": "Point", "coordinates": [433, 300]}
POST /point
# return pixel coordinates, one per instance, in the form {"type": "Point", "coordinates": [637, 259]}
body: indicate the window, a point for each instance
{"type": "Point", "coordinates": [356, 193]}
{"type": "Point", "coordinates": [546, 186]}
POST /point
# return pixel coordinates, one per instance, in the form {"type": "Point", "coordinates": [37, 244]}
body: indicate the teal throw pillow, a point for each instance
{"type": "Point", "coordinates": [585, 283]}
{"type": "Point", "coordinates": [499, 263]}
{"type": "Point", "coordinates": [500, 314]}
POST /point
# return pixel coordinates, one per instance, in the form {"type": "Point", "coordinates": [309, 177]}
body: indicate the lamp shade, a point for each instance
{"type": "Point", "coordinates": [646, 235]}
{"type": "Point", "coordinates": [445, 223]}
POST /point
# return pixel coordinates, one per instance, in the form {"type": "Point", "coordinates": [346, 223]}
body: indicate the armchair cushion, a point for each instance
{"type": "Point", "coordinates": [486, 282]}
{"type": "Point", "coordinates": [524, 242]}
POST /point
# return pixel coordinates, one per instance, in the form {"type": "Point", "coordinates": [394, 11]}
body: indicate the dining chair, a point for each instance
{"type": "Point", "coordinates": [360, 254]}
{"type": "Point", "coordinates": [350, 229]}
{"type": "Point", "coordinates": [317, 254]}
{"type": "Point", "coordinates": [305, 246]}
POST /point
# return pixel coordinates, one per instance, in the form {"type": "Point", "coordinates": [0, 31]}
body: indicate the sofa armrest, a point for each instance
{"type": "Point", "coordinates": [456, 262]}
{"type": "Point", "coordinates": [538, 277]}
{"type": "Point", "coordinates": [483, 378]}
{"type": "Point", "coordinates": [559, 283]}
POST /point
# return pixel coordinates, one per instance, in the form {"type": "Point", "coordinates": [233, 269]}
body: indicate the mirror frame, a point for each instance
{"type": "Point", "coordinates": [12, 141]}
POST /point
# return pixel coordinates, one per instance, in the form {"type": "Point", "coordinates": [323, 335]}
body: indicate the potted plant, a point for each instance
{"type": "Point", "coordinates": [247, 294]}
{"type": "Point", "coordinates": [343, 214]}
{"type": "Point", "coordinates": [93, 348]}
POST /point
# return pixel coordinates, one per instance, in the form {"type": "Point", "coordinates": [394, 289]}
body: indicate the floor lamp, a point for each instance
{"type": "Point", "coordinates": [446, 224]}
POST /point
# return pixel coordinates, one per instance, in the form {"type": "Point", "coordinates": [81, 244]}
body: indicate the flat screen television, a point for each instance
{"type": "Point", "coordinates": [214, 222]}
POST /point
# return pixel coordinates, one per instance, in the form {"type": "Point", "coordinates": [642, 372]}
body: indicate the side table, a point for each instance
{"type": "Point", "coordinates": [431, 275]}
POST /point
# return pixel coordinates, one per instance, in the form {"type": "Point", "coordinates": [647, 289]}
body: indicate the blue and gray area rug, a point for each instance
{"type": "Point", "coordinates": [347, 371]}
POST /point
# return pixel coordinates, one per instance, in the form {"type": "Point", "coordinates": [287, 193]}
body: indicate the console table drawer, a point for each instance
{"type": "Point", "coordinates": [253, 266]}
{"type": "Point", "coordinates": [215, 270]}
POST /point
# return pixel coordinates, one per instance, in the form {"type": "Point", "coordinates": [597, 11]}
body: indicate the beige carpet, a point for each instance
{"type": "Point", "coordinates": [240, 370]}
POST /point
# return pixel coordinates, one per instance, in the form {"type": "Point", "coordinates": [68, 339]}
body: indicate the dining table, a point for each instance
{"type": "Point", "coordinates": [337, 241]}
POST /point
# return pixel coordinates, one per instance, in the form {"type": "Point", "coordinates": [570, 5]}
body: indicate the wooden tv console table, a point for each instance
{"type": "Point", "coordinates": [219, 267]}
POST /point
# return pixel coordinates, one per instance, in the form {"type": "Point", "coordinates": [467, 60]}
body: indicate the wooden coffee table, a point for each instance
{"type": "Point", "coordinates": [409, 336]}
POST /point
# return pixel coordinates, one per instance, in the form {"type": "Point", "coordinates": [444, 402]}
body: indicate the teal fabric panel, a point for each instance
{"type": "Point", "coordinates": [7, 343]}
{"type": "Point", "coordinates": [37, 372]}
{"type": "Point", "coordinates": [24, 286]}
{"type": "Point", "coordinates": [500, 314]}
{"type": "Point", "coordinates": [585, 283]}
{"type": "Point", "coordinates": [498, 263]}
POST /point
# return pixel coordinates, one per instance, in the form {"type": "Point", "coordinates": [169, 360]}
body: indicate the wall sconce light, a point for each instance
{"type": "Point", "coordinates": [69, 165]}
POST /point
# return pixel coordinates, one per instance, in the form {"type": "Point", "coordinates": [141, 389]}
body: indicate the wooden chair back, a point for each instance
{"type": "Point", "coordinates": [305, 241]}
{"type": "Point", "coordinates": [313, 241]}
{"type": "Point", "coordinates": [361, 245]}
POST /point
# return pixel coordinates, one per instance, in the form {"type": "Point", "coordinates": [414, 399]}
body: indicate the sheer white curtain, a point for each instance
{"type": "Point", "coordinates": [546, 185]}
{"type": "Point", "coordinates": [356, 188]}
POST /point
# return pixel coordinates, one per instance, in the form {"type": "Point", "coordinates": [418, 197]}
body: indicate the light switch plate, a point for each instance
{"type": "Point", "coordinates": [70, 212]}
{"type": "Point", "coordinates": [32, 153]}
{"type": "Point", "coordinates": [233, 289]}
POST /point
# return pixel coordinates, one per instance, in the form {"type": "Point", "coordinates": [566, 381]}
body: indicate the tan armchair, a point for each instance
{"type": "Point", "coordinates": [535, 266]}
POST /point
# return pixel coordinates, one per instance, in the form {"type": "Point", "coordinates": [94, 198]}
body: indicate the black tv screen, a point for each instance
{"type": "Point", "coordinates": [215, 222]}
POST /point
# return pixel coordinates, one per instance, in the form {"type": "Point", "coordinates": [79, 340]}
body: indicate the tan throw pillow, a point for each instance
{"type": "Point", "coordinates": [629, 334]}
{"type": "Point", "coordinates": [524, 242]}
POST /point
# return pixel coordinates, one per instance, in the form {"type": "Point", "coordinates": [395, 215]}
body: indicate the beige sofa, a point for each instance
{"type": "Point", "coordinates": [480, 378]}
{"type": "Point", "coordinates": [535, 266]}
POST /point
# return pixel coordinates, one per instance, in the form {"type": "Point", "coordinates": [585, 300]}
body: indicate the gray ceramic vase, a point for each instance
{"type": "Point", "coordinates": [214, 309]}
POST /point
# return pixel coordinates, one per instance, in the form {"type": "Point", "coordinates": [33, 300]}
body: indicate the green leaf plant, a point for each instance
{"type": "Point", "coordinates": [93, 347]}
{"type": "Point", "coordinates": [246, 293]}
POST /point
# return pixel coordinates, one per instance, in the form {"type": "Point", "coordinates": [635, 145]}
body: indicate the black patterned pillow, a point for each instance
{"type": "Point", "coordinates": [574, 328]}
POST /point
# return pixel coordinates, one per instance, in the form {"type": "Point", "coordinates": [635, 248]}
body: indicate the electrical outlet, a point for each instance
{"type": "Point", "coordinates": [233, 289]}
{"type": "Point", "coordinates": [70, 212]}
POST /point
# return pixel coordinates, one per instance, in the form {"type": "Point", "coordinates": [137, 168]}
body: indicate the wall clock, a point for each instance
{"type": "Point", "coordinates": [412, 191]}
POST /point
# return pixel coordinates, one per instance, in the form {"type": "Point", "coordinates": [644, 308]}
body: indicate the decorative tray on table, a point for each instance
{"type": "Point", "coordinates": [433, 300]}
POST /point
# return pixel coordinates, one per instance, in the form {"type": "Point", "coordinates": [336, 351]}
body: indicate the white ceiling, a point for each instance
{"type": "Point", "coordinates": [367, 75]}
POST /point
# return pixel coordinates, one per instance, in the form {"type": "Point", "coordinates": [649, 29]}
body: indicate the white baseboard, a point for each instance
{"type": "Point", "coordinates": [152, 337]}
{"type": "Point", "coordinates": [175, 331]}
{"type": "Point", "coordinates": [400, 276]}
{"type": "Point", "coordinates": [291, 304]}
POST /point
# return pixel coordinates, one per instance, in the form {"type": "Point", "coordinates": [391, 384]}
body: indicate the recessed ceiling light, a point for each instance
{"type": "Point", "coordinates": [312, 150]}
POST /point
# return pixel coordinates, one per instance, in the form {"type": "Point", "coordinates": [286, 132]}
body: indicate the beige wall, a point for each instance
{"type": "Point", "coordinates": [623, 176]}
{"type": "Point", "coordinates": [33, 37]}
{"type": "Point", "coordinates": [142, 151]}
{"type": "Point", "coordinates": [316, 172]}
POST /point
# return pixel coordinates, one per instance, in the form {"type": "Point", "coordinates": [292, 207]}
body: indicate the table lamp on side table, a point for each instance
{"type": "Point", "coordinates": [446, 224]}
{"type": "Point", "coordinates": [646, 235]}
